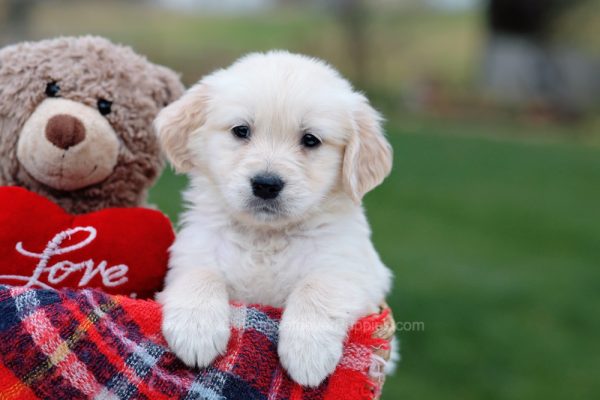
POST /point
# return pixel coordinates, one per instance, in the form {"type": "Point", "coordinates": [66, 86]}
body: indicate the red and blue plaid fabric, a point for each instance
{"type": "Point", "coordinates": [87, 344]}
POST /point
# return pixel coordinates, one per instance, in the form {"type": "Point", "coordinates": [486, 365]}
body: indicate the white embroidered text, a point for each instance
{"type": "Point", "coordinates": [56, 273]}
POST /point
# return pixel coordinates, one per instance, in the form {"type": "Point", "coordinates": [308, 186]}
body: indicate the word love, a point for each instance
{"type": "Point", "coordinates": [57, 272]}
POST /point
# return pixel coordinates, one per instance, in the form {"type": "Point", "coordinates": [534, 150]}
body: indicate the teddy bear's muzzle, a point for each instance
{"type": "Point", "coordinates": [67, 145]}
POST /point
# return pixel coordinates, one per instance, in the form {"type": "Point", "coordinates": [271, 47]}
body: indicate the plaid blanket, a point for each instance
{"type": "Point", "coordinates": [87, 344]}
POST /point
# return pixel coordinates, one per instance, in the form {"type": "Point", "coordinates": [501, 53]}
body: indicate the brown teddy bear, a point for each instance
{"type": "Point", "coordinates": [76, 121]}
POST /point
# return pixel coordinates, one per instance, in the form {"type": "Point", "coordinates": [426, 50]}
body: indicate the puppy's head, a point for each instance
{"type": "Point", "coordinates": [278, 135]}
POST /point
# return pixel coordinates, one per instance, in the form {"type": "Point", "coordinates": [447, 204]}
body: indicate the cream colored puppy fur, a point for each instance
{"type": "Point", "coordinates": [308, 250]}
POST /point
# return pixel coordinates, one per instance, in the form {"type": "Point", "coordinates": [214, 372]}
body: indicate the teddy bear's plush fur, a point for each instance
{"type": "Point", "coordinates": [56, 137]}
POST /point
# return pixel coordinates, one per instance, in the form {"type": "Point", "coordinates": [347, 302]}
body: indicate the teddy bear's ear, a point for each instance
{"type": "Point", "coordinates": [170, 88]}
{"type": "Point", "coordinates": [176, 122]}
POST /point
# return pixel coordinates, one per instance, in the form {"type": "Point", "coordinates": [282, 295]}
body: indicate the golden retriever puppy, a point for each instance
{"type": "Point", "coordinates": [280, 150]}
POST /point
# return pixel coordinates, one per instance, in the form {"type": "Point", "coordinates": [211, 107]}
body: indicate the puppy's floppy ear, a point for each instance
{"type": "Point", "coordinates": [176, 122]}
{"type": "Point", "coordinates": [368, 155]}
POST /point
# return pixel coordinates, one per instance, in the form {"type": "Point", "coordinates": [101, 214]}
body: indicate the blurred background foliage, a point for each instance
{"type": "Point", "coordinates": [491, 218]}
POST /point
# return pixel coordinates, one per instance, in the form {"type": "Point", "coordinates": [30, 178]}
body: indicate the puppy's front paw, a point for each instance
{"type": "Point", "coordinates": [309, 351]}
{"type": "Point", "coordinates": [196, 336]}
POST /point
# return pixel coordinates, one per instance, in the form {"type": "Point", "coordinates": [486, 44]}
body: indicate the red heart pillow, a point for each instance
{"type": "Point", "coordinates": [117, 250]}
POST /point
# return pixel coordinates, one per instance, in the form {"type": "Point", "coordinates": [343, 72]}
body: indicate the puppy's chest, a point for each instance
{"type": "Point", "coordinates": [265, 270]}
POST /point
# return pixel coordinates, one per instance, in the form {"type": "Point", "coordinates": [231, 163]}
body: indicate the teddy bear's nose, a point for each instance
{"type": "Point", "coordinates": [65, 131]}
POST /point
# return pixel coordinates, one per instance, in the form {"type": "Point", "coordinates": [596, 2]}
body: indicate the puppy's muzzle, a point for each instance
{"type": "Point", "coordinates": [267, 186]}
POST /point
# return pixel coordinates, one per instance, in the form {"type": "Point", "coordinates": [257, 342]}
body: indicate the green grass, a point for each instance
{"type": "Point", "coordinates": [495, 246]}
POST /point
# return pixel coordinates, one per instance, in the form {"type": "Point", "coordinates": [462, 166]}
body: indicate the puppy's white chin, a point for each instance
{"type": "Point", "coordinates": [268, 214]}
{"type": "Point", "coordinates": [264, 216]}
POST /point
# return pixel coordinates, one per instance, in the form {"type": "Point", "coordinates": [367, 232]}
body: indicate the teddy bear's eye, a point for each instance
{"type": "Point", "coordinates": [104, 106]}
{"type": "Point", "coordinates": [52, 89]}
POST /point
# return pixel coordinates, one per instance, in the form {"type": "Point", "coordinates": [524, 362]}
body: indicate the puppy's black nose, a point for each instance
{"type": "Point", "coordinates": [266, 186]}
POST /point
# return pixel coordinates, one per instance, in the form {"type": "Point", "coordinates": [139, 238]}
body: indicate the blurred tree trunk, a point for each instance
{"type": "Point", "coordinates": [523, 66]}
{"type": "Point", "coordinates": [531, 18]}
{"type": "Point", "coordinates": [353, 18]}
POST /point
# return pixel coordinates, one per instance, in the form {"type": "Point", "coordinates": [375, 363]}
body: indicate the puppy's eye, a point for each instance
{"type": "Point", "coordinates": [52, 89]}
{"type": "Point", "coordinates": [104, 106]}
{"type": "Point", "coordinates": [241, 131]}
{"type": "Point", "coordinates": [309, 140]}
